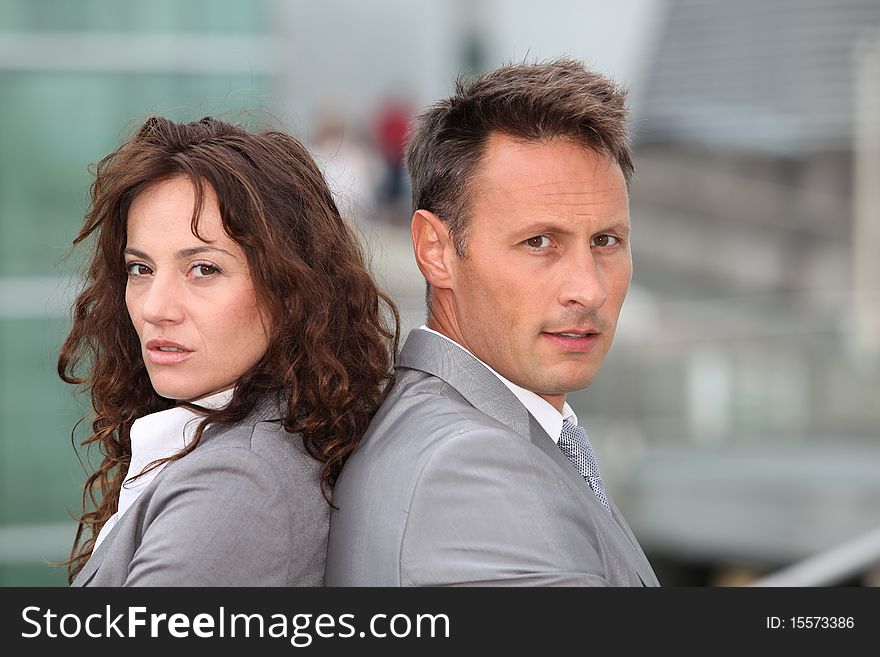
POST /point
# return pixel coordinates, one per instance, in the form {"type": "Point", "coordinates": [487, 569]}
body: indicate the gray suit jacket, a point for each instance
{"type": "Point", "coordinates": [244, 508]}
{"type": "Point", "coordinates": [455, 483]}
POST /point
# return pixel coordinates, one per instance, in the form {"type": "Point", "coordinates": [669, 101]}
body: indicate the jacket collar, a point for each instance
{"type": "Point", "coordinates": [435, 355]}
{"type": "Point", "coordinates": [271, 408]}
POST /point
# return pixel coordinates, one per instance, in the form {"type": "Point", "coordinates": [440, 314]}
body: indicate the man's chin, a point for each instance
{"type": "Point", "coordinates": [563, 387]}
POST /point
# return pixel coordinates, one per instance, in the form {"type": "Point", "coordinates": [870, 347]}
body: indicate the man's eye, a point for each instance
{"type": "Point", "coordinates": [538, 242]}
{"type": "Point", "coordinates": [136, 269]}
{"type": "Point", "coordinates": [605, 240]}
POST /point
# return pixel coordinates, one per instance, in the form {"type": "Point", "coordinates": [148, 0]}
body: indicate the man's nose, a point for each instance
{"type": "Point", "coordinates": [163, 300]}
{"type": "Point", "coordinates": [584, 282]}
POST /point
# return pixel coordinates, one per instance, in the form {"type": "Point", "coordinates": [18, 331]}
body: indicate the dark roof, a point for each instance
{"type": "Point", "coordinates": [757, 75]}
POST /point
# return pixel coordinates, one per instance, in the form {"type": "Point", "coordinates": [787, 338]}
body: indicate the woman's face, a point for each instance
{"type": "Point", "coordinates": [191, 301]}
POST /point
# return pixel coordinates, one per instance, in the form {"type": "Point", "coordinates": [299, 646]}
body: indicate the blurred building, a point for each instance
{"type": "Point", "coordinates": [736, 418]}
{"type": "Point", "coordinates": [75, 77]}
{"type": "Point", "coordinates": [755, 350]}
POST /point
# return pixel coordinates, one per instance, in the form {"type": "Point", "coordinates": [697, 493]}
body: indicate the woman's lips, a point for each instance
{"type": "Point", "coordinates": [163, 352]}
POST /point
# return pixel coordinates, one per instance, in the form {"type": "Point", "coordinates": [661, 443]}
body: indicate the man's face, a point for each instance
{"type": "Point", "coordinates": [547, 264]}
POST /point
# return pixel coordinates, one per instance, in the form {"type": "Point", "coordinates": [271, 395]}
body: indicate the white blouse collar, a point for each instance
{"type": "Point", "coordinates": [158, 436]}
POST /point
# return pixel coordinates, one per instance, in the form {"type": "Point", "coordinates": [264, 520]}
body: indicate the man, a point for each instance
{"type": "Point", "coordinates": [474, 471]}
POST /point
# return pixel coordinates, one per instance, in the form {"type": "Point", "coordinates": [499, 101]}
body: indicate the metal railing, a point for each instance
{"type": "Point", "coordinates": [830, 567]}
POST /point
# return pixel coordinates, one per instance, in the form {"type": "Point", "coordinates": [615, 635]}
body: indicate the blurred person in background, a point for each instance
{"type": "Point", "coordinates": [234, 347]}
{"type": "Point", "coordinates": [392, 124]}
{"type": "Point", "coordinates": [475, 471]}
{"type": "Point", "coordinates": [351, 169]}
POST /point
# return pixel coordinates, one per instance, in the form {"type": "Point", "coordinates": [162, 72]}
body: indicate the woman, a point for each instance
{"type": "Point", "coordinates": [235, 349]}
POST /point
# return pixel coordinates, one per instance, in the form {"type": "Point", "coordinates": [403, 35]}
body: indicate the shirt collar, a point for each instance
{"type": "Point", "coordinates": [153, 437]}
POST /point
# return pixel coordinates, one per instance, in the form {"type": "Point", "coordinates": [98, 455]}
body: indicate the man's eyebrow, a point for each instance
{"type": "Point", "coordinates": [562, 228]}
{"type": "Point", "coordinates": [622, 228]}
{"type": "Point", "coordinates": [183, 253]}
{"type": "Point", "coordinates": [539, 227]}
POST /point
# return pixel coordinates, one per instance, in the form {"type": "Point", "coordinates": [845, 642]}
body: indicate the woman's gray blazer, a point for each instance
{"type": "Point", "coordinates": [244, 508]}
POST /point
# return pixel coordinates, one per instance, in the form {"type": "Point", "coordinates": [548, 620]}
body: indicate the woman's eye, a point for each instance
{"type": "Point", "coordinates": [605, 240]}
{"type": "Point", "coordinates": [136, 269]}
{"type": "Point", "coordinates": [203, 270]}
{"type": "Point", "coordinates": [538, 242]}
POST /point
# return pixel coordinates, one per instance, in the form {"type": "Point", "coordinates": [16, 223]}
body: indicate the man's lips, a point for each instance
{"type": "Point", "coordinates": [166, 352]}
{"type": "Point", "coordinates": [573, 339]}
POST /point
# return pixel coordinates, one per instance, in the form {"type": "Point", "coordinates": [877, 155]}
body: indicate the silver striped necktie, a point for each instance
{"type": "Point", "coordinates": [575, 444]}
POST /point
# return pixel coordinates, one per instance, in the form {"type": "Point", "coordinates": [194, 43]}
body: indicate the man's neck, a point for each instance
{"type": "Point", "coordinates": [442, 322]}
{"type": "Point", "coordinates": [433, 323]}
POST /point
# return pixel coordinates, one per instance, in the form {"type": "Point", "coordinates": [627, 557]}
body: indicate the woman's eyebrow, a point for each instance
{"type": "Point", "coordinates": [196, 250]}
{"type": "Point", "coordinates": [183, 253]}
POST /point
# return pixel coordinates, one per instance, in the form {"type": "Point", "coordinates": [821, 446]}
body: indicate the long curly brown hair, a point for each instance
{"type": "Point", "coordinates": [331, 342]}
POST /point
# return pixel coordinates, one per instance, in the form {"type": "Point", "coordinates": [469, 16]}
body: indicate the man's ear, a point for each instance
{"type": "Point", "coordinates": [433, 248]}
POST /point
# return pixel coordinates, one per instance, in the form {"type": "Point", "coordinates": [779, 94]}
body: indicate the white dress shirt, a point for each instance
{"type": "Point", "coordinates": [153, 437]}
{"type": "Point", "coordinates": [543, 411]}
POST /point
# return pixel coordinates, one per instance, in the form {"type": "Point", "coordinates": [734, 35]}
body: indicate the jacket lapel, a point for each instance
{"type": "Point", "coordinates": [97, 557]}
{"type": "Point", "coordinates": [273, 407]}
{"type": "Point", "coordinates": [432, 354]}
{"type": "Point", "coordinates": [435, 355]}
